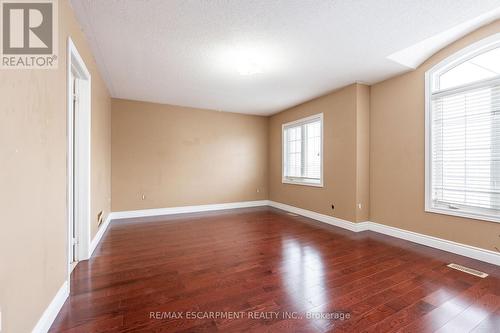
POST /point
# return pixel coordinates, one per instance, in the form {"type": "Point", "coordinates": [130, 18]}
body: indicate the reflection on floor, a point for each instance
{"type": "Point", "coordinates": [261, 269]}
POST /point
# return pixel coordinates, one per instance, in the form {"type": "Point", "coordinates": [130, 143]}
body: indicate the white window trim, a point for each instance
{"type": "Point", "coordinates": [298, 180]}
{"type": "Point", "coordinates": [454, 60]}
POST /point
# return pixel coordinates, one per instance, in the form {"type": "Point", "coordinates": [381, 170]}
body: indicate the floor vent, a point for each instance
{"type": "Point", "coordinates": [468, 270]}
{"type": "Point", "coordinates": [292, 214]}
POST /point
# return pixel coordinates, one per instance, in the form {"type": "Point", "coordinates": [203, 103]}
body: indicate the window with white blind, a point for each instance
{"type": "Point", "coordinates": [303, 151]}
{"type": "Point", "coordinates": [463, 133]}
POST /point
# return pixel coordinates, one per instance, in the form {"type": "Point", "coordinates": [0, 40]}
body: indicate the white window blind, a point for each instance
{"type": "Point", "coordinates": [302, 151]}
{"type": "Point", "coordinates": [464, 140]}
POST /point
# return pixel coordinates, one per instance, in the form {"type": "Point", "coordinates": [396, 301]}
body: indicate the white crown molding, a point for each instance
{"type": "Point", "coordinates": [50, 313]}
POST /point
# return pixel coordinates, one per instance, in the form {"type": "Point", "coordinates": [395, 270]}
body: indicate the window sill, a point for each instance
{"type": "Point", "coordinates": [297, 182]}
{"type": "Point", "coordinates": [462, 213]}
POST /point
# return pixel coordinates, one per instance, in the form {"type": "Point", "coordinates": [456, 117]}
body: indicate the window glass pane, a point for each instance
{"type": "Point", "coordinates": [313, 149]}
{"type": "Point", "coordinates": [294, 150]}
{"type": "Point", "coordinates": [466, 148]}
{"type": "Point", "coordinates": [483, 66]}
{"type": "Point", "coordinates": [302, 152]}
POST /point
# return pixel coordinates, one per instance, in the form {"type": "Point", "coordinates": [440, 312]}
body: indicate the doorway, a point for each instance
{"type": "Point", "coordinates": [79, 113]}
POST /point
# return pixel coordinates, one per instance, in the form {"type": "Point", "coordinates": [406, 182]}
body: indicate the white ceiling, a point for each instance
{"type": "Point", "coordinates": [190, 53]}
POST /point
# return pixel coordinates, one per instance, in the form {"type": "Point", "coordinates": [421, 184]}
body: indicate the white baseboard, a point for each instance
{"type": "Point", "coordinates": [438, 243]}
{"type": "Point", "coordinates": [167, 211]}
{"type": "Point", "coordinates": [317, 216]}
{"type": "Point", "coordinates": [50, 313]}
{"type": "Point", "coordinates": [186, 209]}
{"type": "Point", "coordinates": [99, 234]}
{"type": "Point", "coordinates": [55, 306]}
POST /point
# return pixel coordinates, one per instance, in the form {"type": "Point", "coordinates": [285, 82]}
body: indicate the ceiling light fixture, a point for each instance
{"type": "Point", "coordinates": [249, 68]}
{"type": "Point", "coordinates": [245, 60]}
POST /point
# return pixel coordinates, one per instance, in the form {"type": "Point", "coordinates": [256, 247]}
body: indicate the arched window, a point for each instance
{"type": "Point", "coordinates": [463, 133]}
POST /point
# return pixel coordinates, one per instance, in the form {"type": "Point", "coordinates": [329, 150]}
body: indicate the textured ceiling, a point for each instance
{"type": "Point", "coordinates": [190, 53]}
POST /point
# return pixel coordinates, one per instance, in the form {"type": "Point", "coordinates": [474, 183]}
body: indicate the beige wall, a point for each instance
{"type": "Point", "coordinates": [397, 158]}
{"type": "Point", "coordinates": [33, 179]}
{"type": "Point", "coordinates": [362, 152]}
{"type": "Point", "coordinates": [100, 185]}
{"type": "Point", "coordinates": [340, 127]}
{"type": "Point", "coordinates": [178, 156]}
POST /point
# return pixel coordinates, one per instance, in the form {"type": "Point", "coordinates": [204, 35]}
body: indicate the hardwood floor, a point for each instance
{"type": "Point", "coordinates": [275, 271]}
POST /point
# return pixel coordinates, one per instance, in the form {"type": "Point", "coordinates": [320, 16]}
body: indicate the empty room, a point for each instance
{"type": "Point", "coordinates": [249, 166]}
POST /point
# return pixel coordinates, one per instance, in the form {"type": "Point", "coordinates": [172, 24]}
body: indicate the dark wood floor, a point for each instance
{"type": "Point", "coordinates": [265, 262]}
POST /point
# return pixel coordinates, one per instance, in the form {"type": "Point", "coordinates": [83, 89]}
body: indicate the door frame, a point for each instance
{"type": "Point", "coordinates": [82, 142]}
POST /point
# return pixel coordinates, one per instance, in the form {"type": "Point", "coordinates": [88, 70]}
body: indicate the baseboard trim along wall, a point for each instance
{"type": "Point", "coordinates": [317, 216]}
{"type": "Point", "coordinates": [99, 234]}
{"type": "Point", "coordinates": [438, 243]}
{"type": "Point", "coordinates": [185, 209]}
{"type": "Point", "coordinates": [50, 313]}
{"type": "Point", "coordinates": [491, 257]}
{"type": "Point", "coordinates": [435, 242]}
